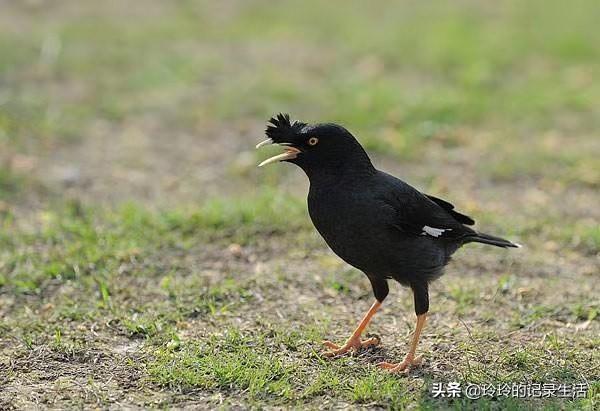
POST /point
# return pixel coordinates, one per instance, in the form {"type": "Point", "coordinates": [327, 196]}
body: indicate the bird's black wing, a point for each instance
{"type": "Point", "coordinates": [419, 214]}
{"type": "Point", "coordinates": [461, 218]}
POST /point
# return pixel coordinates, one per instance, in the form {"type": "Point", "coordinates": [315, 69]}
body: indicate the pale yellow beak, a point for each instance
{"type": "Point", "coordinates": [290, 153]}
{"type": "Point", "coordinates": [265, 143]}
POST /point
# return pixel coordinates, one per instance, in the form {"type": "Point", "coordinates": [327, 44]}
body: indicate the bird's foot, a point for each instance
{"type": "Point", "coordinates": [353, 345]}
{"type": "Point", "coordinates": [409, 361]}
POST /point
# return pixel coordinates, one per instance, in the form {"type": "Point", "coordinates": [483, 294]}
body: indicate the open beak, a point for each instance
{"type": "Point", "coordinates": [290, 153]}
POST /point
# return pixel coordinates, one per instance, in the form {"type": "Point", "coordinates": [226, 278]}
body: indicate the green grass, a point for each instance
{"type": "Point", "coordinates": [76, 242]}
{"type": "Point", "coordinates": [9, 183]}
{"type": "Point", "coordinates": [255, 364]}
{"type": "Point", "coordinates": [131, 265]}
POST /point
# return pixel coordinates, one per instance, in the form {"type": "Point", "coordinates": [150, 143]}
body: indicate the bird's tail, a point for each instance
{"type": "Point", "coordinates": [492, 240]}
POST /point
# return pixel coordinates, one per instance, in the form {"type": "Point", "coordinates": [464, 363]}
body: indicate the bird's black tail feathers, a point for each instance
{"type": "Point", "coordinates": [492, 240]}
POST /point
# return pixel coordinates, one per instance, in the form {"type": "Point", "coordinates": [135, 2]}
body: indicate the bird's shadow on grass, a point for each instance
{"type": "Point", "coordinates": [372, 356]}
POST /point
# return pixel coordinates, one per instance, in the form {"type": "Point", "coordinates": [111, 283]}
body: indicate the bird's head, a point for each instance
{"type": "Point", "coordinates": [319, 147]}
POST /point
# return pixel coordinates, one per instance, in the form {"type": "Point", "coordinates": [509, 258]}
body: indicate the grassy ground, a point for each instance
{"type": "Point", "coordinates": [146, 262]}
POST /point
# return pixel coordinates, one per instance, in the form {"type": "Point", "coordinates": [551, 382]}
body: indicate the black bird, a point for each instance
{"type": "Point", "coordinates": [372, 220]}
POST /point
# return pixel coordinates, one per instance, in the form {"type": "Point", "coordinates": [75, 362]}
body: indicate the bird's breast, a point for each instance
{"type": "Point", "coordinates": [349, 224]}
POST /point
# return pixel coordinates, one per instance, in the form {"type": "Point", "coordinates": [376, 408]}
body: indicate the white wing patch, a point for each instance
{"type": "Point", "coordinates": [434, 232]}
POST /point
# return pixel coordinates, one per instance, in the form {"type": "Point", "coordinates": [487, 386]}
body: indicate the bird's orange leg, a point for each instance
{"type": "Point", "coordinates": [410, 359]}
{"type": "Point", "coordinates": [354, 343]}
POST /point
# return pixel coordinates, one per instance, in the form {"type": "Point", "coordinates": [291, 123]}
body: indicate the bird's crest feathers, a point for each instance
{"type": "Point", "coordinates": [280, 127]}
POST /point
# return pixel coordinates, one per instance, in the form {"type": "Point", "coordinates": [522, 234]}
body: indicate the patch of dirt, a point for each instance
{"type": "Point", "coordinates": [140, 161]}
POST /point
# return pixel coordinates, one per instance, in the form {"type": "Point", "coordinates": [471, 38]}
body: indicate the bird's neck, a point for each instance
{"type": "Point", "coordinates": [348, 170]}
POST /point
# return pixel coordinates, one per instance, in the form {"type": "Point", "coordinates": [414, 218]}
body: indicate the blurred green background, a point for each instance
{"type": "Point", "coordinates": [127, 136]}
{"type": "Point", "coordinates": [512, 80]}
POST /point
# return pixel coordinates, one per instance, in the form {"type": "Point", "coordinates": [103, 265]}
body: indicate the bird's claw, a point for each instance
{"type": "Point", "coordinates": [352, 345]}
{"type": "Point", "coordinates": [403, 367]}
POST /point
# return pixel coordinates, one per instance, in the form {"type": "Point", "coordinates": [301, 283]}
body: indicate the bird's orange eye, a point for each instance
{"type": "Point", "coordinates": [313, 141]}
